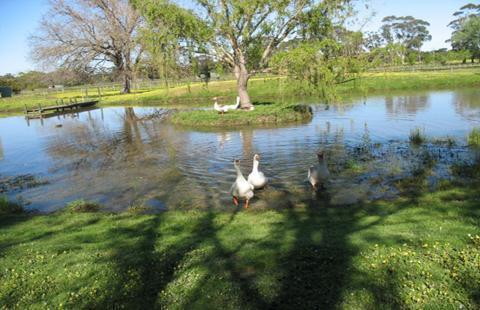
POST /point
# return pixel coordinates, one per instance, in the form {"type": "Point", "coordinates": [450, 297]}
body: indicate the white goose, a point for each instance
{"type": "Point", "coordinates": [225, 108]}
{"type": "Point", "coordinates": [241, 189]}
{"type": "Point", "coordinates": [257, 178]}
{"type": "Point", "coordinates": [318, 175]}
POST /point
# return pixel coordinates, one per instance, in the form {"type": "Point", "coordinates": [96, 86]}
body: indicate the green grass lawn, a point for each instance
{"type": "Point", "coordinates": [420, 251]}
{"type": "Point", "coordinates": [264, 113]}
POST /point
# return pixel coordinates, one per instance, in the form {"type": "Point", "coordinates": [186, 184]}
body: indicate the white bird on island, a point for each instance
{"type": "Point", "coordinates": [241, 189]}
{"type": "Point", "coordinates": [318, 175]}
{"type": "Point", "coordinates": [225, 108]}
{"type": "Point", "coordinates": [257, 178]}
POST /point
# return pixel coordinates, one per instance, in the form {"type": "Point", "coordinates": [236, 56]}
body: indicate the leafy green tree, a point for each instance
{"type": "Point", "coordinates": [242, 31]}
{"type": "Point", "coordinates": [468, 36]}
{"type": "Point", "coordinates": [412, 57]}
{"type": "Point", "coordinates": [31, 80]}
{"type": "Point", "coordinates": [406, 31]}
{"type": "Point", "coordinates": [10, 81]}
{"type": "Point", "coordinates": [459, 41]}
{"type": "Point", "coordinates": [392, 54]}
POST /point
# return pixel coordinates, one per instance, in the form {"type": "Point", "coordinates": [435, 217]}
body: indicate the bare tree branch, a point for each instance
{"type": "Point", "coordinates": [89, 33]}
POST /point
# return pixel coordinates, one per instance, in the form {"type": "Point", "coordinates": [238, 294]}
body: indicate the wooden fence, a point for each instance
{"type": "Point", "coordinates": [99, 89]}
{"type": "Point", "coordinates": [414, 68]}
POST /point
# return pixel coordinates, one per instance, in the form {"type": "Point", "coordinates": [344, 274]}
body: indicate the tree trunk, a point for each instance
{"type": "Point", "coordinates": [127, 83]}
{"type": "Point", "coordinates": [241, 73]}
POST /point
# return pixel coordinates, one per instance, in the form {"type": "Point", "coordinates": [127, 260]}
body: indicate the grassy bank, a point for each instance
{"type": "Point", "coordinates": [389, 81]}
{"type": "Point", "coordinates": [421, 251]}
{"type": "Point", "coordinates": [264, 113]}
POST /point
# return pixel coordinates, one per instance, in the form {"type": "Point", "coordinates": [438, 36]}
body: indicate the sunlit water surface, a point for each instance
{"type": "Point", "coordinates": [122, 156]}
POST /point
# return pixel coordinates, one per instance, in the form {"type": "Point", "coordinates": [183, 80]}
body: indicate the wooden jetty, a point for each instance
{"type": "Point", "coordinates": [59, 108]}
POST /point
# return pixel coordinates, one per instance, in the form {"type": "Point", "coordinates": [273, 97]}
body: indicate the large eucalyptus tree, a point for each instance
{"type": "Point", "coordinates": [466, 30]}
{"type": "Point", "coordinates": [407, 31]}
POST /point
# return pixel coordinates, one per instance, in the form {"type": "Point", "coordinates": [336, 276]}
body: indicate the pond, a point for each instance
{"type": "Point", "coordinates": [128, 156]}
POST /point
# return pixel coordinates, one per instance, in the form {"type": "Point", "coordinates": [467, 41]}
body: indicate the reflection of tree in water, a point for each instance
{"type": "Point", "coordinates": [222, 138]}
{"type": "Point", "coordinates": [132, 134]}
{"type": "Point", "coordinates": [406, 105]}
{"type": "Point", "coordinates": [247, 138]}
{"type": "Point", "coordinates": [467, 104]}
{"type": "Point", "coordinates": [121, 165]}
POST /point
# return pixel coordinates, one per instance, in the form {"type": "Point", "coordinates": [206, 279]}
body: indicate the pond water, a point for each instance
{"type": "Point", "coordinates": [128, 156]}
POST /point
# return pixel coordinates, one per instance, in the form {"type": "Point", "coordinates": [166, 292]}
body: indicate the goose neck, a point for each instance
{"type": "Point", "coordinates": [237, 169]}
{"type": "Point", "coordinates": [255, 165]}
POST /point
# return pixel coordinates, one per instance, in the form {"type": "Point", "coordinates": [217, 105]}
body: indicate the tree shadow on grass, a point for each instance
{"type": "Point", "coordinates": [311, 246]}
{"type": "Point", "coordinates": [139, 262]}
{"type": "Point", "coordinates": [224, 262]}
{"type": "Point", "coordinates": [316, 266]}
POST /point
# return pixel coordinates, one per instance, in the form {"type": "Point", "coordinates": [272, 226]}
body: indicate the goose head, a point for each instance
{"type": "Point", "coordinates": [256, 157]}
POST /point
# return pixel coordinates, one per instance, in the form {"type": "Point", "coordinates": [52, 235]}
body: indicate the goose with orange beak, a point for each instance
{"type": "Point", "coordinates": [241, 189]}
{"type": "Point", "coordinates": [256, 177]}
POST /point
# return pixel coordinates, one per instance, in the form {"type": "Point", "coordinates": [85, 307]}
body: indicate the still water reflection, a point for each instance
{"type": "Point", "coordinates": [125, 156]}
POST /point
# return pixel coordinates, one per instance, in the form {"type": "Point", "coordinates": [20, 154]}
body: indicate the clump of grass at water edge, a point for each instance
{"type": "Point", "coordinates": [9, 207]}
{"type": "Point", "coordinates": [474, 137]}
{"type": "Point", "coordinates": [82, 206]}
{"type": "Point", "coordinates": [417, 136]}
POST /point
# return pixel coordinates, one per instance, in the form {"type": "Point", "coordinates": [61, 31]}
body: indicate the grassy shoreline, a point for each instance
{"type": "Point", "coordinates": [270, 113]}
{"type": "Point", "coordinates": [420, 251]}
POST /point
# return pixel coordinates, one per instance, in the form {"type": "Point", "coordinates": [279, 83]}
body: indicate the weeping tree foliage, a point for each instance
{"type": "Point", "coordinates": [316, 67]}
{"type": "Point", "coordinates": [245, 34]}
{"type": "Point", "coordinates": [78, 34]}
{"type": "Point", "coordinates": [173, 36]}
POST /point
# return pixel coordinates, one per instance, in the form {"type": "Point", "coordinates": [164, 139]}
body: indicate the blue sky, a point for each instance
{"type": "Point", "coordinates": [19, 18]}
